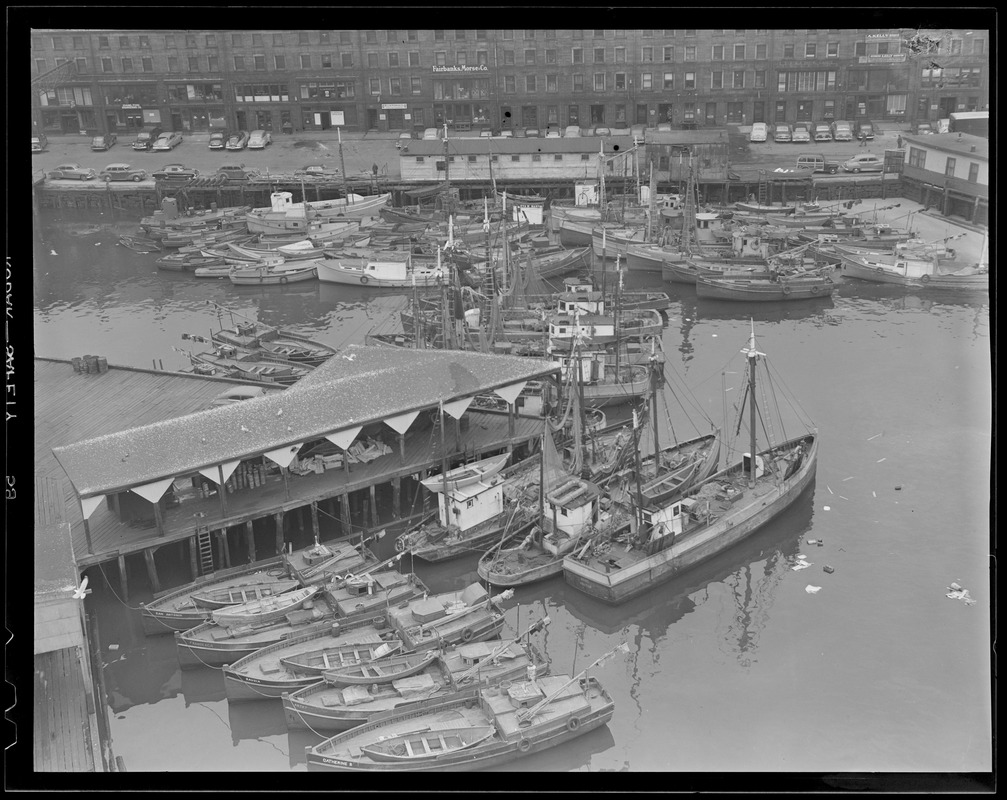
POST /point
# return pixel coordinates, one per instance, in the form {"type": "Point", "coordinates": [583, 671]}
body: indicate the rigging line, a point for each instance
{"type": "Point", "coordinates": [109, 584]}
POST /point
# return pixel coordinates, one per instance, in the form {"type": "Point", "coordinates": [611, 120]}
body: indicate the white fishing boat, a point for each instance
{"type": "Point", "coordinates": [285, 216]}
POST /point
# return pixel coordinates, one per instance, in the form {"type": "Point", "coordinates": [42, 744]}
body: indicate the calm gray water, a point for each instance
{"type": "Point", "coordinates": [734, 666]}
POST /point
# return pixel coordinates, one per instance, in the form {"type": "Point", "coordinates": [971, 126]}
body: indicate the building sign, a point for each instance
{"type": "Point", "coordinates": [531, 214]}
{"type": "Point", "coordinates": [462, 68]}
{"type": "Point", "coordinates": [131, 105]}
{"type": "Point", "coordinates": [337, 118]}
{"type": "Point", "coordinates": [152, 117]}
{"type": "Point", "coordinates": [884, 37]}
{"type": "Point", "coordinates": [882, 58]}
{"type": "Point", "coordinates": [393, 106]}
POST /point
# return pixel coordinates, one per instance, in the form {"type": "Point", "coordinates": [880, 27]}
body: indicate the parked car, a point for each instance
{"type": "Point", "coordinates": [145, 139]}
{"type": "Point", "coordinates": [664, 127]}
{"type": "Point", "coordinates": [506, 133]}
{"type": "Point", "coordinates": [602, 132]}
{"type": "Point", "coordinates": [167, 141]}
{"type": "Point", "coordinates": [816, 162]}
{"type": "Point", "coordinates": [864, 129]}
{"type": "Point", "coordinates": [122, 172]}
{"type": "Point", "coordinates": [402, 143]}
{"type": "Point", "coordinates": [236, 173]}
{"type": "Point", "coordinates": [520, 133]}
{"type": "Point", "coordinates": [823, 133]}
{"type": "Point", "coordinates": [237, 141]}
{"type": "Point", "coordinates": [842, 131]}
{"type": "Point", "coordinates": [553, 133]}
{"type": "Point", "coordinates": [103, 142]}
{"type": "Point", "coordinates": [317, 171]}
{"type": "Point", "coordinates": [801, 132]}
{"type": "Point", "coordinates": [638, 132]}
{"type": "Point", "coordinates": [177, 172]}
{"type": "Point", "coordinates": [218, 139]}
{"type": "Point", "coordinates": [39, 143]}
{"type": "Point", "coordinates": [532, 133]}
{"type": "Point", "coordinates": [72, 172]}
{"type": "Point", "coordinates": [865, 162]}
{"type": "Point", "coordinates": [782, 133]}
{"type": "Point", "coordinates": [621, 132]}
{"type": "Point", "coordinates": [486, 133]}
{"type": "Point", "coordinates": [432, 133]}
{"type": "Point", "coordinates": [571, 132]}
{"type": "Point", "coordinates": [257, 140]}
{"type": "Point", "coordinates": [760, 132]}
{"type": "Point", "coordinates": [924, 128]}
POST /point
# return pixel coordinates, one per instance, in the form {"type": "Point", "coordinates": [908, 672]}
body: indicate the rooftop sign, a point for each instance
{"type": "Point", "coordinates": [461, 68]}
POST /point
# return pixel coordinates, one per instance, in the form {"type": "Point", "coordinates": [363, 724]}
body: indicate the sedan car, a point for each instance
{"type": "Point", "coordinates": [802, 132]}
{"type": "Point", "coordinates": [171, 172]}
{"type": "Point", "coordinates": [237, 141]}
{"type": "Point", "coordinates": [571, 132]}
{"type": "Point", "coordinates": [167, 141]}
{"type": "Point", "coordinates": [602, 132]}
{"type": "Point", "coordinates": [236, 173]}
{"type": "Point", "coordinates": [104, 141]}
{"type": "Point", "coordinates": [865, 162]}
{"type": "Point", "coordinates": [432, 133]}
{"type": "Point", "coordinates": [122, 172]}
{"type": "Point", "coordinates": [760, 132]}
{"type": "Point", "coordinates": [823, 133]}
{"type": "Point", "coordinates": [73, 172]}
{"type": "Point", "coordinates": [257, 140]}
{"type": "Point", "coordinates": [218, 139]}
{"type": "Point", "coordinates": [531, 133]}
{"type": "Point", "coordinates": [520, 133]}
{"type": "Point", "coordinates": [782, 133]}
{"type": "Point", "coordinates": [664, 127]}
{"type": "Point", "coordinates": [316, 171]}
{"type": "Point", "coordinates": [924, 128]}
{"type": "Point", "coordinates": [553, 133]}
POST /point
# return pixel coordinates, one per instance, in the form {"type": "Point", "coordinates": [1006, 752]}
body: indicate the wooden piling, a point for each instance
{"type": "Point", "coordinates": [250, 540]}
{"type": "Point", "coordinates": [148, 556]}
{"type": "Point", "coordinates": [397, 497]}
{"type": "Point", "coordinates": [374, 505]}
{"type": "Point", "coordinates": [314, 520]}
{"type": "Point", "coordinates": [344, 514]}
{"type": "Point", "coordinates": [193, 559]}
{"type": "Point", "coordinates": [278, 518]}
{"type": "Point", "coordinates": [225, 551]}
{"type": "Point", "coordinates": [159, 519]}
{"type": "Point", "coordinates": [123, 581]}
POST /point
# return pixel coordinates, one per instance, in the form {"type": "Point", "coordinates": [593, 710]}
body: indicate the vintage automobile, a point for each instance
{"type": "Point", "coordinates": [171, 172]}
{"type": "Point", "coordinates": [842, 131]}
{"type": "Point", "coordinates": [122, 172]}
{"type": "Point", "coordinates": [257, 140]}
{"type": "Point", "coordinates": [782, 133]}
{"type": "Point", "coordinates": [103, 141]}
{"type": "Point", "coordinates": [924, 128]}
{"type": "Point", "coordinates": [602, 132]}
{"type": "Point", "coordinates": [864, 129]}
{"type": "Point", "coordinates": [760, 132]}
{"type": "Point", "coordinates": [572, 131]}
{"type": "Point", "coordinates": [237, 141]}
{"type": "Point", "coordinates": [39, 143]}
{"type": "Point", "coordinates": [236, 173]}
{"type": "Point", "coordinates": [145, 139]}
{"type": "Point", "coordinates": [218, 139]}
{"type": "Point", "coordinates": [167, 141]}
{"type": "Point", "coordinates": [823, 133]}
{"type": "Point", "coordinates": [316, 171]}
{"type": "Point", "coordinates": [865, 162]}
{"type": "Point", "coordinates": [801, 133]}
{"type": "Point", "coordinates": [72, 172]}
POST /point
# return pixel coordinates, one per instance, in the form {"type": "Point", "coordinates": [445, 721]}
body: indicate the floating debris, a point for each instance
{"type": "Point", "coordinates": [812, 589]}
{"type": "Point", "coordinates": [826, 508]}
{"type": "Point", "coordinates": [849, 478]}
{"type": "Point", "coordinates": [875, 436]}
{"type": "Point", "coordinates": [841, 497]}
{"type": "Point", "coordinates": [880, 460]}
{"type": "Point", "coordinates": [957, 592]}
{"type": "Point", "coordinates": [829, 488]}
{"type": "Point", "coordinates": [828, 569]}
{"type": "Point", "coordinates": [802, 564]}
{"type": "Point", "coordinates": [898, 488]}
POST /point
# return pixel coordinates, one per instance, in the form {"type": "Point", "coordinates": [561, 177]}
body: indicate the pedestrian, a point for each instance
{"type": "Point", "coordinates": [863, 140]}
{"type": "Point", "coordinates": [899, 142]}
{"type": "Point", "coordinates": [374, 169]}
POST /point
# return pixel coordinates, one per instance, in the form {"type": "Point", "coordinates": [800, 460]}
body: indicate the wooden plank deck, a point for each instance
{"type": "Point", "coordinates": [62, 731]}
{"type": "Point", "coordinates": [110, 537]}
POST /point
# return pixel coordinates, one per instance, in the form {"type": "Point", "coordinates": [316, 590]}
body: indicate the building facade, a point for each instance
{"type": "Point", "coordinates": [193, 81]}
{"type": "Point", "coordinates": [950, 172]}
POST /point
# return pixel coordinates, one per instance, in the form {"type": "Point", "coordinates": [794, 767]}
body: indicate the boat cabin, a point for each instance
{"type": "Point", "coordinates": [468, 506]}
{"type": "Point", "coordinates": [706, 224]}
{"type": "Point", "coordinates": [592, 366]}
{"type": "Point", "coordinates": [566, 326]}
{"type": "Point", "coordinates": [666, 523]}
{"type": "Point", "coordinates": [745, 243]}
{"type": "Point", "coordinates": [570, 509]}
{"type": "Point", "coordinates": [585, 302]}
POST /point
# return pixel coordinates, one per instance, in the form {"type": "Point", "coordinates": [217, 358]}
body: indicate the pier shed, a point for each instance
{"type": "Point", "coordinates": [367, 417]}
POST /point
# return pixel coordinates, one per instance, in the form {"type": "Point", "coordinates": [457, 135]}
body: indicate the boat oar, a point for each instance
{"type": "Point", "coordinates": [528, 713]}
{"type": "Point", "coordinates": [535, 627]}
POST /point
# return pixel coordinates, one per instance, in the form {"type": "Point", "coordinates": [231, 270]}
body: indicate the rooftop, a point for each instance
{"type": "Point", "coordinates": [961, 143]}
{"type": "Point", "coordinates": [512, 146]}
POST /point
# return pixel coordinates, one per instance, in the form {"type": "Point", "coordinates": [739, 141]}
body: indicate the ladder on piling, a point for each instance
{"type": "Point", "coordinates": [205, 544]}
{"type": "Point", "coordinates": [763, 188]}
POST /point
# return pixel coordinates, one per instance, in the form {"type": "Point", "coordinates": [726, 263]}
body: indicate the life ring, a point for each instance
{"type": "Point", "coordinates": [378, 622]}
{"type": "Point", "coordinates": [468, 634]}
{"type": "Point", "coordinates": [573, 723]}
{"type": "Point", "coordinates": [524, 745]}
{"type": "Point", "coordinates": [283, 279]}
{"type": "Point", "coordinates": [505, 685]}
{"type": "Point", "coordinates": [363, 279]}
{"type": "Point", "coordinates": [880, 271]}
{"type": "Point", "coordinates": [358, 607]}
{"type": "Point", "coordinates": [815, 290]}
{"type": "Point", "coordinates": [400, 544]}
{"type": "Point", "coordinates": [786, 290]}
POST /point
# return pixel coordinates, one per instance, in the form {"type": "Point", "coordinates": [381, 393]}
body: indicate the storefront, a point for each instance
{"type": "Point", "coordinates": [461, 95]}
{"type": "Point", "coordinates": [396, 116]}
{"type": "Point", "coordinates": [323, 119]}
{"type": "Point", "coordinates": [68, 109]}
{"type": "Point", "coordinates": [195, 107]}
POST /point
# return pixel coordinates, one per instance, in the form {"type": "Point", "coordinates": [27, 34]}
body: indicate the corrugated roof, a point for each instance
{"type": "Point", "coordinates": [509, 146]}
{"type": "Point", "coordinates": [359, 386]}
{"type": "Point", "coordinates": [960, 144]}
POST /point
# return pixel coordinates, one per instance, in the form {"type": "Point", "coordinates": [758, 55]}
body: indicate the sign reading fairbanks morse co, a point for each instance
{"type": "Point", "coordinates": [461, 68]}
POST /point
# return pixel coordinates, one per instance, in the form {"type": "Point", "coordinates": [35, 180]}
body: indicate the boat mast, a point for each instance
{"type": "Point", "coordinates": [651, 227]}
{"type": "Point", "coordinates": [444, 464]}
{"type": "Point", "coordinates": [528, 713]}
{"type": "Point", "coordinates": [653, 403]}
{"type": "Point", "coordinates": [753, 356]}
{"type": "Point", "coordinates": [615, 318]}
{"type": "Point", "coordinates": [342, 165]}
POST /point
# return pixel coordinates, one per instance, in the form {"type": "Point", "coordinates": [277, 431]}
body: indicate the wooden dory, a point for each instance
{"type": "Point", "coordinates": [316, 662]}
{"type": "Point", "coordinates": [467, 474]}
{"type": "Point", "coordinates": [427, 744]}
{"type": "Point", "coordinates": [381, 670]}
{"type": "Point", "coordinates": [266, 609]}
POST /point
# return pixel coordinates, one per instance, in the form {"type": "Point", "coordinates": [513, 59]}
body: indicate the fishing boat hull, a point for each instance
{"type": "Point", "coordinates": [336, 271]}
{"type": "Point", "coordinates": [576, 233]}
{"type": "Point", "coordinates": [649, 258]}
{"type": "Point", "coordinates": [270, 276]}
{"type": "Point", "coordinates": [766, 291]}
{"type": "Point", "coordinates": [874, 271]}
{"type": "Point", "coordinates": [615, 244]}
{"type": "Point", "coordinates": [746, 516]}
{"type": "Point", "coordinates": [507, 745]}
{"type": "Point", "coordinates": [554, 264]}
{"type": "Point", "coordinates": [199, 646]}
{"type": "Point", "coordinates": [265, 610]}
{"type": "Point", "coordinates": [467, 474]}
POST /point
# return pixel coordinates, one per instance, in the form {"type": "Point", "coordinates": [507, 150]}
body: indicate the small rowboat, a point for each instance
{"type": "Point", "coordinates": [384, 670]}
{"type": "Point", "coordinates": [281, 274]}
{"type": "Point", "coordinates": [427, 744]}
{"type": "Point", "coordinates": [266, 609]}
{"type": "Point", "coordinates": [467, 474]}
{"type": "Point", "coordinates": [239, 595]}
{"type": "Point", "coordinates": [316, 662]}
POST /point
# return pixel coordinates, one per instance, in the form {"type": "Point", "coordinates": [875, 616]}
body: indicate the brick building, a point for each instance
{"type": "Point", "coordinates": [404, 79]}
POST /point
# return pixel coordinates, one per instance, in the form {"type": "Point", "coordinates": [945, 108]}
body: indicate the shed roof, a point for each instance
{"type": "Point", "coordinates": [361, 385]}
{"type": "Point", "coordinates": [55, 572]}
{"type": "Point", "coordinates": [509, 146]}
{"type": "Point", "coordinates": [960, 144]}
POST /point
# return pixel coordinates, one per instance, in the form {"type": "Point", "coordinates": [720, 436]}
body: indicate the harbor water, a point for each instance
{"type": "Point", "coordinates": [738, 665]}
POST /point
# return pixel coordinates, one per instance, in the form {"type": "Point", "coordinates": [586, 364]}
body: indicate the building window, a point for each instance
{"type": "Point", "coordinates": [599, 81]}
{"type": "Point", "coordinates": [529, 56]}
{"type": "Point", "coordinates": [395, 86]}
{"type": "Point", "coordinates": [760, 52]}
{"type": "Point", "coordinates": [690, 53]}
{"type": "Point", "coordinates": [788, 51]}
{"type": "Point", "coordinates": [973, 172]}
{"type": "Point", "coordinates": [599, 55]}
{"type": "Point", "coordinates": [557, 157]}
{"type": "Point", "coordinates": [326, 59]}
{"type": "Point", "coordinates": [830, 110]}
{"type": "Point", "coordinates": [917, 157]}
{"type": "Point", "coordinates": [509, 84]}
{"type": "Point", "coordinates": [690, 80]}
{"type": "Point", "coordinates": [279, 62]}
{"type": "Point", "coordinates": [578, 82]}
{"type": "Point", "coordinates": [124, 42]}
{"type": "Point", "coordinates": [169, 41]}
{"type": "Point", "coordinates": [371, 37]}
{"type": "Point", "coordinates": [739, 52]}
{"type": "Point", "coordinates": [305, 62]}
{"type": "Point", "coordinates": [412, 36]}
{"type": "Point", "coordinates": [718, 52]}
{"type": "Point", "coordinates": [832, 50]}
{"type": "Point", "coordinates": [860, 49]}
{"type": "Point", "coordinates": [577, 55]}
{"type": "Point", "coordinates": [127, 65]}
{"type": "Point", "coordinates": [147, 63]}
{"type": "Point", "coordinates": [620, 55]}
{"type": "Point", "coordinates": [739, 79]}
{"type": "Point", "coordinates": [347, 59]}
{"type": "Point", "coordinates": [668, 54]}
{"type": "Point", "coordinates": [419, 159]}
{"type": "Point", "coordinates": [515, 158]}
{"type": "Point", "coordinates": [536, 156]}
{"type": "Point", "coordinates": [213, 63]}
{"type": "Point", "coordinates": [277, 40]}
{"type": "Point", "coordinates": [882, 48]}
{"type": "Point", "coordinates": [508, 35]}
{"type": "Point", "coordinates": [145, 41]}
{"type": "Point", "coordinates": [717, 80]}
{"type": "Point", "coordinates": [172, 64]}
{"type": "Point", "coordinates": [669, 80]}
{"type": "Point", "coordinates": [441, 58]}
{"type": "Point", "coordinates": [577, 33]}
{"type": "Point", "coordinates": [236, 40]}
{"type": "Point", "coordinates": [374, 86]}
{"type": "Point", "coordinates": [459, 36]}
{"type": "Point", "coordinates": [483, 58]}
{"type": "Point", "coordinates": [688, 32]}
{"type": "Point", "coordinates": [529, 83]}
{"type": "Point", "coordinates": [40, 65]}
{"type": "Point", "coordinates": [57, 43]}
{"type": "Point", "coordinates": [302, 37]}
{"type": "Point", "coordinates": [372, 60]}
{"type": "Point", "coordinates": [585, 157]}
{"type": "Point", "coordinates": [260, 62]}
{"type": "Point", "coordinates": [415, 85]}
{"type": "Point", "coordinates": [106, 64]}
{"type": "Point", "coordinates": [620, 81]}
{"type": "Point", "coordinates": [760, 79]}
{"type": "Point", "coordinates": [239, 63]}
{"type": "Point", "coordinates": [646, 82]}
{"type": "Point", "coordinates": [472, 159]}
{"type": "Point", "coordinates": [949, 168]}
{"type": "Point", "coordinates": [552, 83]}
{"type": "Point", "coordinates": [414, 59]}
{"type": "Point", "coordinates": [438, 36]}
{"type": "Point", "coordinates": [978, 47]}
{"type": "Point", "coordinates": [647, 54]}
{"type": "Point", "coordinates": [810, 50]}
{"type": "Point", "coordinates": [508, 57]}
{"type": "Point", "coordinates": [552, 115]}
{"type": "Point", "coordinates": [210, 40]}
{"type": "Point", "coordinates": [256, 40]}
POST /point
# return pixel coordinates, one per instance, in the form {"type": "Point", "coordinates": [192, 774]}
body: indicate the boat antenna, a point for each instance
{"type": "Point", "coordinates": [524, 717]}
